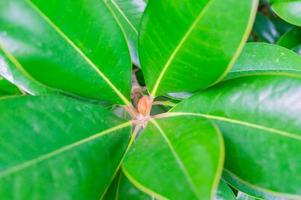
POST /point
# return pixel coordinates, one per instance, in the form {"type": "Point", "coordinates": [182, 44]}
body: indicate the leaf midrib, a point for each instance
{"type": "Point", "coordinates": [79, 51]}
{"type": "Point", "coordinates": [61, 150]}
{"type": "Point", "coordinates": [179, 46]}
{"type": "Point", "coordinates": [123, 15]}
{"type": "Point", "coordinates": [234, 121]}
{"type": "Point", "coordinates": [176, 156]}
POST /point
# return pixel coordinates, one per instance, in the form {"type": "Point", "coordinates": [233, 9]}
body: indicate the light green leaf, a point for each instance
{"type": "Point", "coordinates": [7, 89]}
{"type": "Point", "coordinates": [58, 148]}
{"type": "Point", "coordinates": [129, 14]}
{"type": "Point", "coordinates": [59, 46]}
{"type": "Point", "coordinates": [291, 40]}
{"type": "Point", "coordinates": [263, 58]}
{"type": "Point", "coordinates": [186, 45]}
{"type": "Point", "coordinates": [176, 158]}
{"type": "Point", "coordinates": [259, 117]}
{"type": "Point", "coordinates": [224, 192]}
{"type": "Point", "coordinates": [289, 10]}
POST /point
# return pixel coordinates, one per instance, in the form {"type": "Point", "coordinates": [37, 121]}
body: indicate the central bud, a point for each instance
{"type": "Point", "coordinates": [144, 107]}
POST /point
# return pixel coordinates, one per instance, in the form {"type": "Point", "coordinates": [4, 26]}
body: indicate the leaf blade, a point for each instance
{"type": "Point", "coordinates": [255, 111]}
{"type": "Point", "coordinates": [129, 14]}
{"type": "Point", "coordinates": [172, 45]}
{"type": "Point", "coordinates": [70, 52]}
{"type": "Point", "coordinates": [161, 144]}
{"type": "Point", "coordinates": [58, 153]}
{"type": "Point", "coordinates": [288, 10]}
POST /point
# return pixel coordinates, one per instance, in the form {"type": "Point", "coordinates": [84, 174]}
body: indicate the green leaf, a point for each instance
{"type": "Point", "coordinates": [7, 89]}
{"type": "Point", "coordinates": [250, 193]}
{"type": "Point", "coordinates": [129, 14]}
{"type": "Point", "coordinates": [191, 44]}
{"type": "Point", "coordinates": [58, 148]}
{"type": "Point", "coordinates": [12, 71]}
{"type": "Point", "coordinates": [224, 192]}
{"type": "Point", "coordinates": [243, 196]}
{"type": "Point", "coordinates": [291, 40]}
{"type": "Point", "coordinates": [123, 189]}
{"type": "Point", "coordinates": [176, 158]}
{"type": "Point", "coordinates": [60, 43]}
{"type": "Point", "coordinates": [263, 58]}
{"type": "Point", "coordinates": [265, 29]}
{"type": "Point", "coordinates": [259, 117]}
{"type": "Point", "coordinates": [289, 10]}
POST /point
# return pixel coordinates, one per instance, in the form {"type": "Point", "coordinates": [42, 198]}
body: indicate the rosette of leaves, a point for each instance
{"type": "Point", "coordinates": [60, 137]}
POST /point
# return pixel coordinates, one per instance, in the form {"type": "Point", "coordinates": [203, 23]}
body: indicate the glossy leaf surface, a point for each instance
{"type": "Point", "coordinates": [58, 148]}
{"type": "Point", "coordinates": [265, 29]}
{"type": "Point", "coordinates": [243, 196]}
{"type": "Point", "coordinates": [59, 47]}
{"type": "Point", "coordinates": [262, 58]}
{"type": "Point", "coordinates": [176, 158]}
{"type": "Point", "coordinates": [250, 192]}
{"type": "Point", "coordinates": [224, 192]}
{"type": "Point", "coordinates": [12, 71]}
{"type": "Point", "coordinates": [288, 10]}
{"type": "Point", "coordinates": [291, 40]}
{"type": "Point", "coordinates": [259, 117]}
{"type": "Point", "coordinates": [129, 14]}
{"type": "Point", "coordinates": [7, 88]}
{"type": "Point", "coordinates": [193, 43]}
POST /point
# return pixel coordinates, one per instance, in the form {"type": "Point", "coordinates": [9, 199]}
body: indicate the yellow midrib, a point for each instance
{"type": "Point", "coordinates": [79, 51]}
{"type": "Point", "coordinates": [178, 47]}
{"type": "Point", "coordinates": [47, 156]}
{"type": "Point", "coordinates": [124, 16]}
{"type": "Point", "coordinates": [234, 121]}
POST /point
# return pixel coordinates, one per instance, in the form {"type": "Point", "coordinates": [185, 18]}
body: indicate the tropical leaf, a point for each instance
{"type": "Point", "coordinates": [259, 117]}
{"type": "Point", "coordinates": [289, 10]}
{"type": "Point", "coordinates": [129, 14]}
{"type": "Point", "coordinates": [263, 58]}
{"type": "Point", "coordinates": [291, 40]}
{"type": "Point", "coordinates": [59, 47]}
{"type": "Point", "coordinates": [58, 148]}
{"type": "Point", "coordinates": [265, 29]}
{"type": "Point", "coordinates": [7, 88]}
{"type": "Point", "coordinates": [12, 71]}
{"type": "Point", "coordinates": [176, 158]}
{"type": "Point", "coordinates": [224, 192]}
{"type": "Point", "coordinates": [193, 44]}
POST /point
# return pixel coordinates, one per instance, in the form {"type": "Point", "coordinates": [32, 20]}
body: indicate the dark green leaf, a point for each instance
{"type": "Point", "coordinates": [74, 46]}
{"type": "Point", "coordinates": [265, 29]}
{"type": "Point", "coordinates": [58, 148]}
{"type": "Point", "coordinates": [291, 40]}
{"type": "Point", "coordinates": [187, 45]}
{"type": "Point", "coordinates": [259, 117]}
{"type": "Point", "coordinates": [176, 158]}
{"type": "Point", "coordinates": [7, 88]}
